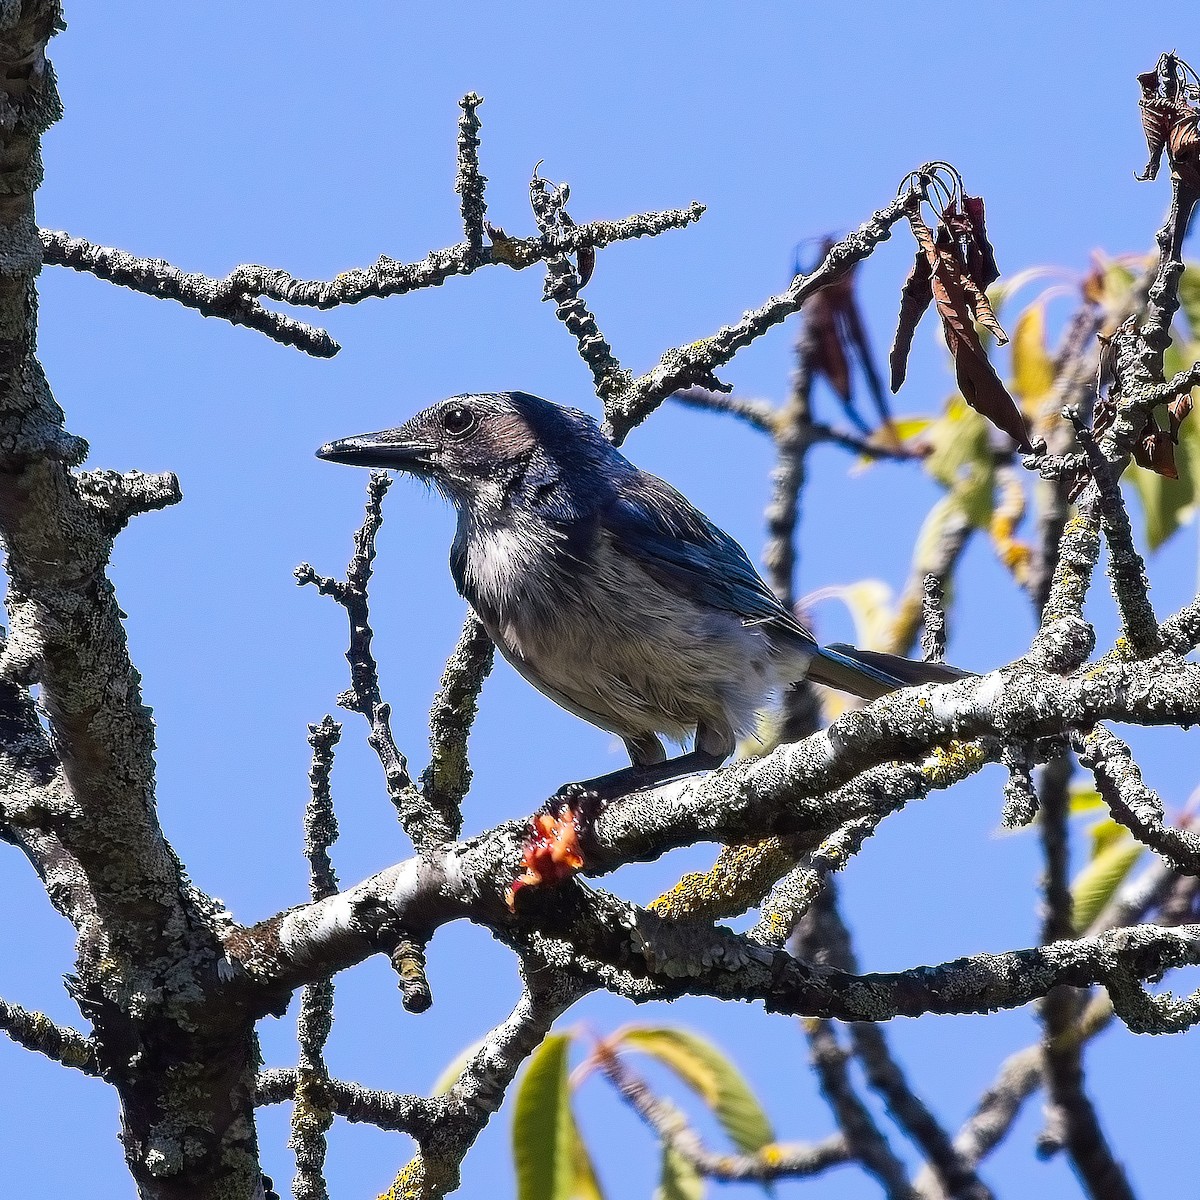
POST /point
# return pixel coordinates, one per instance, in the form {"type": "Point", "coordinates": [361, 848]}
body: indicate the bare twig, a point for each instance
{"type": "Point", "coordinates": [759, 414]}
{"type": "Point", "coordinates": [933, 621]}
{"type": "Point", "coordinates": [825, 929]}
{"type": "Point", "coordinates": [685, 366]}
{"type": "Point", "coordinates": [1140, 810]}
{"type": "Point", "coordinates": [423, 823]}
{"type": "Point", "coordinates": [1126, 570]}
{"type": "Point", "coordinates": [821, 938]}
{"type": "Point", "coordinates": [312, 1113]}
{"type": "Point", "coordinates": [1071, 1118]}
{"type": "Point", "coordinates": [563, 284]}
{"type": "Point", "coordinates": [480, 1087]}
{"type": "Point", "coordinates": [470, 181]}
{"type": "Point", "coordinates": [415, 1115]}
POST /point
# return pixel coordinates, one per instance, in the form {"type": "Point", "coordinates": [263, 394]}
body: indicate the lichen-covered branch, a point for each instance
{"type": "Point", "coordinates": [210, 297]}
{"type": "Point", "coordinates": [470, 181]}
{"type": "Point", "coordinates": [424, 824]}
{"type": "Point", "coordinates": [821, 939]}
{"type": "Point", "coordinates": [391, 1111]}
{"type": "Point", "coordinates": [312, 1114]}
{"type": "Point", "coordinates": [447, 779]}
{"type": "Point", "coordinates": [35, 1031]}
{"type": "Point", "coordinates": [1071, 1119]}
{"type": "Point", "coordinates": [1140, 810]}
{"type": "Point", "coordinates": [563, 283]}
{"type": "Point", "coordinates": [480, 1088]}
{"type": "Point", "coordinates": [685, 366]}
{"type": "Point", "coordinates": [1126, 570]}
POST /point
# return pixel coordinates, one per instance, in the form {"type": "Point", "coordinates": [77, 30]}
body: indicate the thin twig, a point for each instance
{"type": "Point", "coordinates": [312, 1113]}
{"type": "Point", "coordinates": [415, 1115]}
{"type": "Point", "coordinates": [1132, 804]}
{"type": "Point", "coordinates": [933, 621]}
{"type": "Point", "coordinates": [424, 824]}
{"type": "Point", "coordinates": [563, 284]}
{"type": "Point", "coordinates": [694, 363]}
{"type": "Point", "coordinates": [470, 181]}
{"type": "Point", "coordinates": [1126, 569]}
{"type": "Point", "coordinates": [822, 938]}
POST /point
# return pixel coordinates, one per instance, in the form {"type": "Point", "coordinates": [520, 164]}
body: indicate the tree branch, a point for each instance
{"type": "Point", "coordinates": [35, 1031]}
{"type": "Point", "coordinates": [312, 1114]}
{"type": "Point", "coordinates": [447, 779]}
{"type": "Point", "coordinates": [208, 296]}
{"type": "Point", "coordinates": [685, 366]}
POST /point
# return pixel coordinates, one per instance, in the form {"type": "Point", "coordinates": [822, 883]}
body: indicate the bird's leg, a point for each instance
{"type": "Point", "coordinates": [637, 777]}
{"type": "Point", "coordinates": [650, 768]}
{"type": "Point", "coordinates": [554, 848]}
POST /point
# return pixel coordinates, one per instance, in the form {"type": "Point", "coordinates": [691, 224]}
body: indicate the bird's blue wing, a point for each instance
{"type": "Point", "coordinates": [651, 523]}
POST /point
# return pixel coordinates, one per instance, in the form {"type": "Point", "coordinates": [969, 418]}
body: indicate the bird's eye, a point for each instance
{"type": "Point", "coordinates": [459, 420]}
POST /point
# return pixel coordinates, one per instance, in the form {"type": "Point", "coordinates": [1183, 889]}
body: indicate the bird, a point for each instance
{"type": "Point", "coordinates": [607, 589]}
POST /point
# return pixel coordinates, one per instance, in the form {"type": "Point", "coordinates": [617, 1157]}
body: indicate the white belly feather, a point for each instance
{"type": "Point", "coordinates": [610, 643]}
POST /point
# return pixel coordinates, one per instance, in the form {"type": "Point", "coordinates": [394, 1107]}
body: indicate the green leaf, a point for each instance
{"type": "Point", "coordinates": [1097, 883]}
{"type": "Point", "coordinates": [584, 1183]}
{"type": "Point", "coordinates": [1083, 800]}
{"type": "Point", "coordinates": [678, 1179]}
{"type": "Point", "coordinates": [449, 1077]}
{"type": "Point", "coordinates": [542, 1129]}
{"type": "Point", "coordinates": [710, 1075]}
{"type": "Point", "coordinates": [1104, 834]}
{"type": "Point", "coordinates": [1032, 366]}
{"type": "Point", "coordinates": [961, 460]}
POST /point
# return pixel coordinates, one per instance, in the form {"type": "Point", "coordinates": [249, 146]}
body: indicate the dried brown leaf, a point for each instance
{"type": "Point", "coordinates": [960, 303]}
{"type": "Point", "coordinates": [1155, 451]}
{"type": "Point", "coordinates": [1178, 411]}
{"type": "Point", "coordinates": [915, 298]}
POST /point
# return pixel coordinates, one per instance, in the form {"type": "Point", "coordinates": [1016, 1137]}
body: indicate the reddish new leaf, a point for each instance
{"type": "Point", "coordinates": [836, 339]}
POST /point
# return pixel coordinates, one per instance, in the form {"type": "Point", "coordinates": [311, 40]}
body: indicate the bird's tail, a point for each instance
{"type": "Point", "coordinates": [871, 674]}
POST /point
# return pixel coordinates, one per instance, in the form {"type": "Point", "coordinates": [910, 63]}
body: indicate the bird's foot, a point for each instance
{"type": "Point", "coordinates": [552, 851]}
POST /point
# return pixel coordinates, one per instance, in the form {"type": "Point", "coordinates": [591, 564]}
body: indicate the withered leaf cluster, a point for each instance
{"type": "Point", "coordinates": [837, 340]}
{"type": "Point", "coordinates": [1172, 123]}
{"type": "Point", "coordinates": [1155, 446]}
{"type": "Point", "coordinates": [953, 267]}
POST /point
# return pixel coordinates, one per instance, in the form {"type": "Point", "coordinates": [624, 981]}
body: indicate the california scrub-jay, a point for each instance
{"type": "Point", "coordinates": [606, 588]}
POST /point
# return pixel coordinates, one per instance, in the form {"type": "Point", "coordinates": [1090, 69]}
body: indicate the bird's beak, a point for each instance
{"type": "Point", "coordinates": [386, 449]}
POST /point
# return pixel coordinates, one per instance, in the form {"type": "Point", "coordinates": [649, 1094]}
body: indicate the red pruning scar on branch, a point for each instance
{"type": "Point", "coordinates": [551, 853]}
{"type": "Point", "coordinates": [953, 268]}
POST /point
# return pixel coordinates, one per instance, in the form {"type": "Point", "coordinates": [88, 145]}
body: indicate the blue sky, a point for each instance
{"type": "Point", "coordinates": [299, 137]}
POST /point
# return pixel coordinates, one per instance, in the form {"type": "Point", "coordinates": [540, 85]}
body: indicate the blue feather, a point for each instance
{"type": "Point", "coordinates": [650, 522]}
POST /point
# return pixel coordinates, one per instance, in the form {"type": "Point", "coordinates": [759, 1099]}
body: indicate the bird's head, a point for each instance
{"type": "Point", "coordinates": [478, 448]}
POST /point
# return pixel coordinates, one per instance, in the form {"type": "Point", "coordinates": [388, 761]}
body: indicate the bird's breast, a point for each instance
{"type": "Point", "coordinates": [593, 630]}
